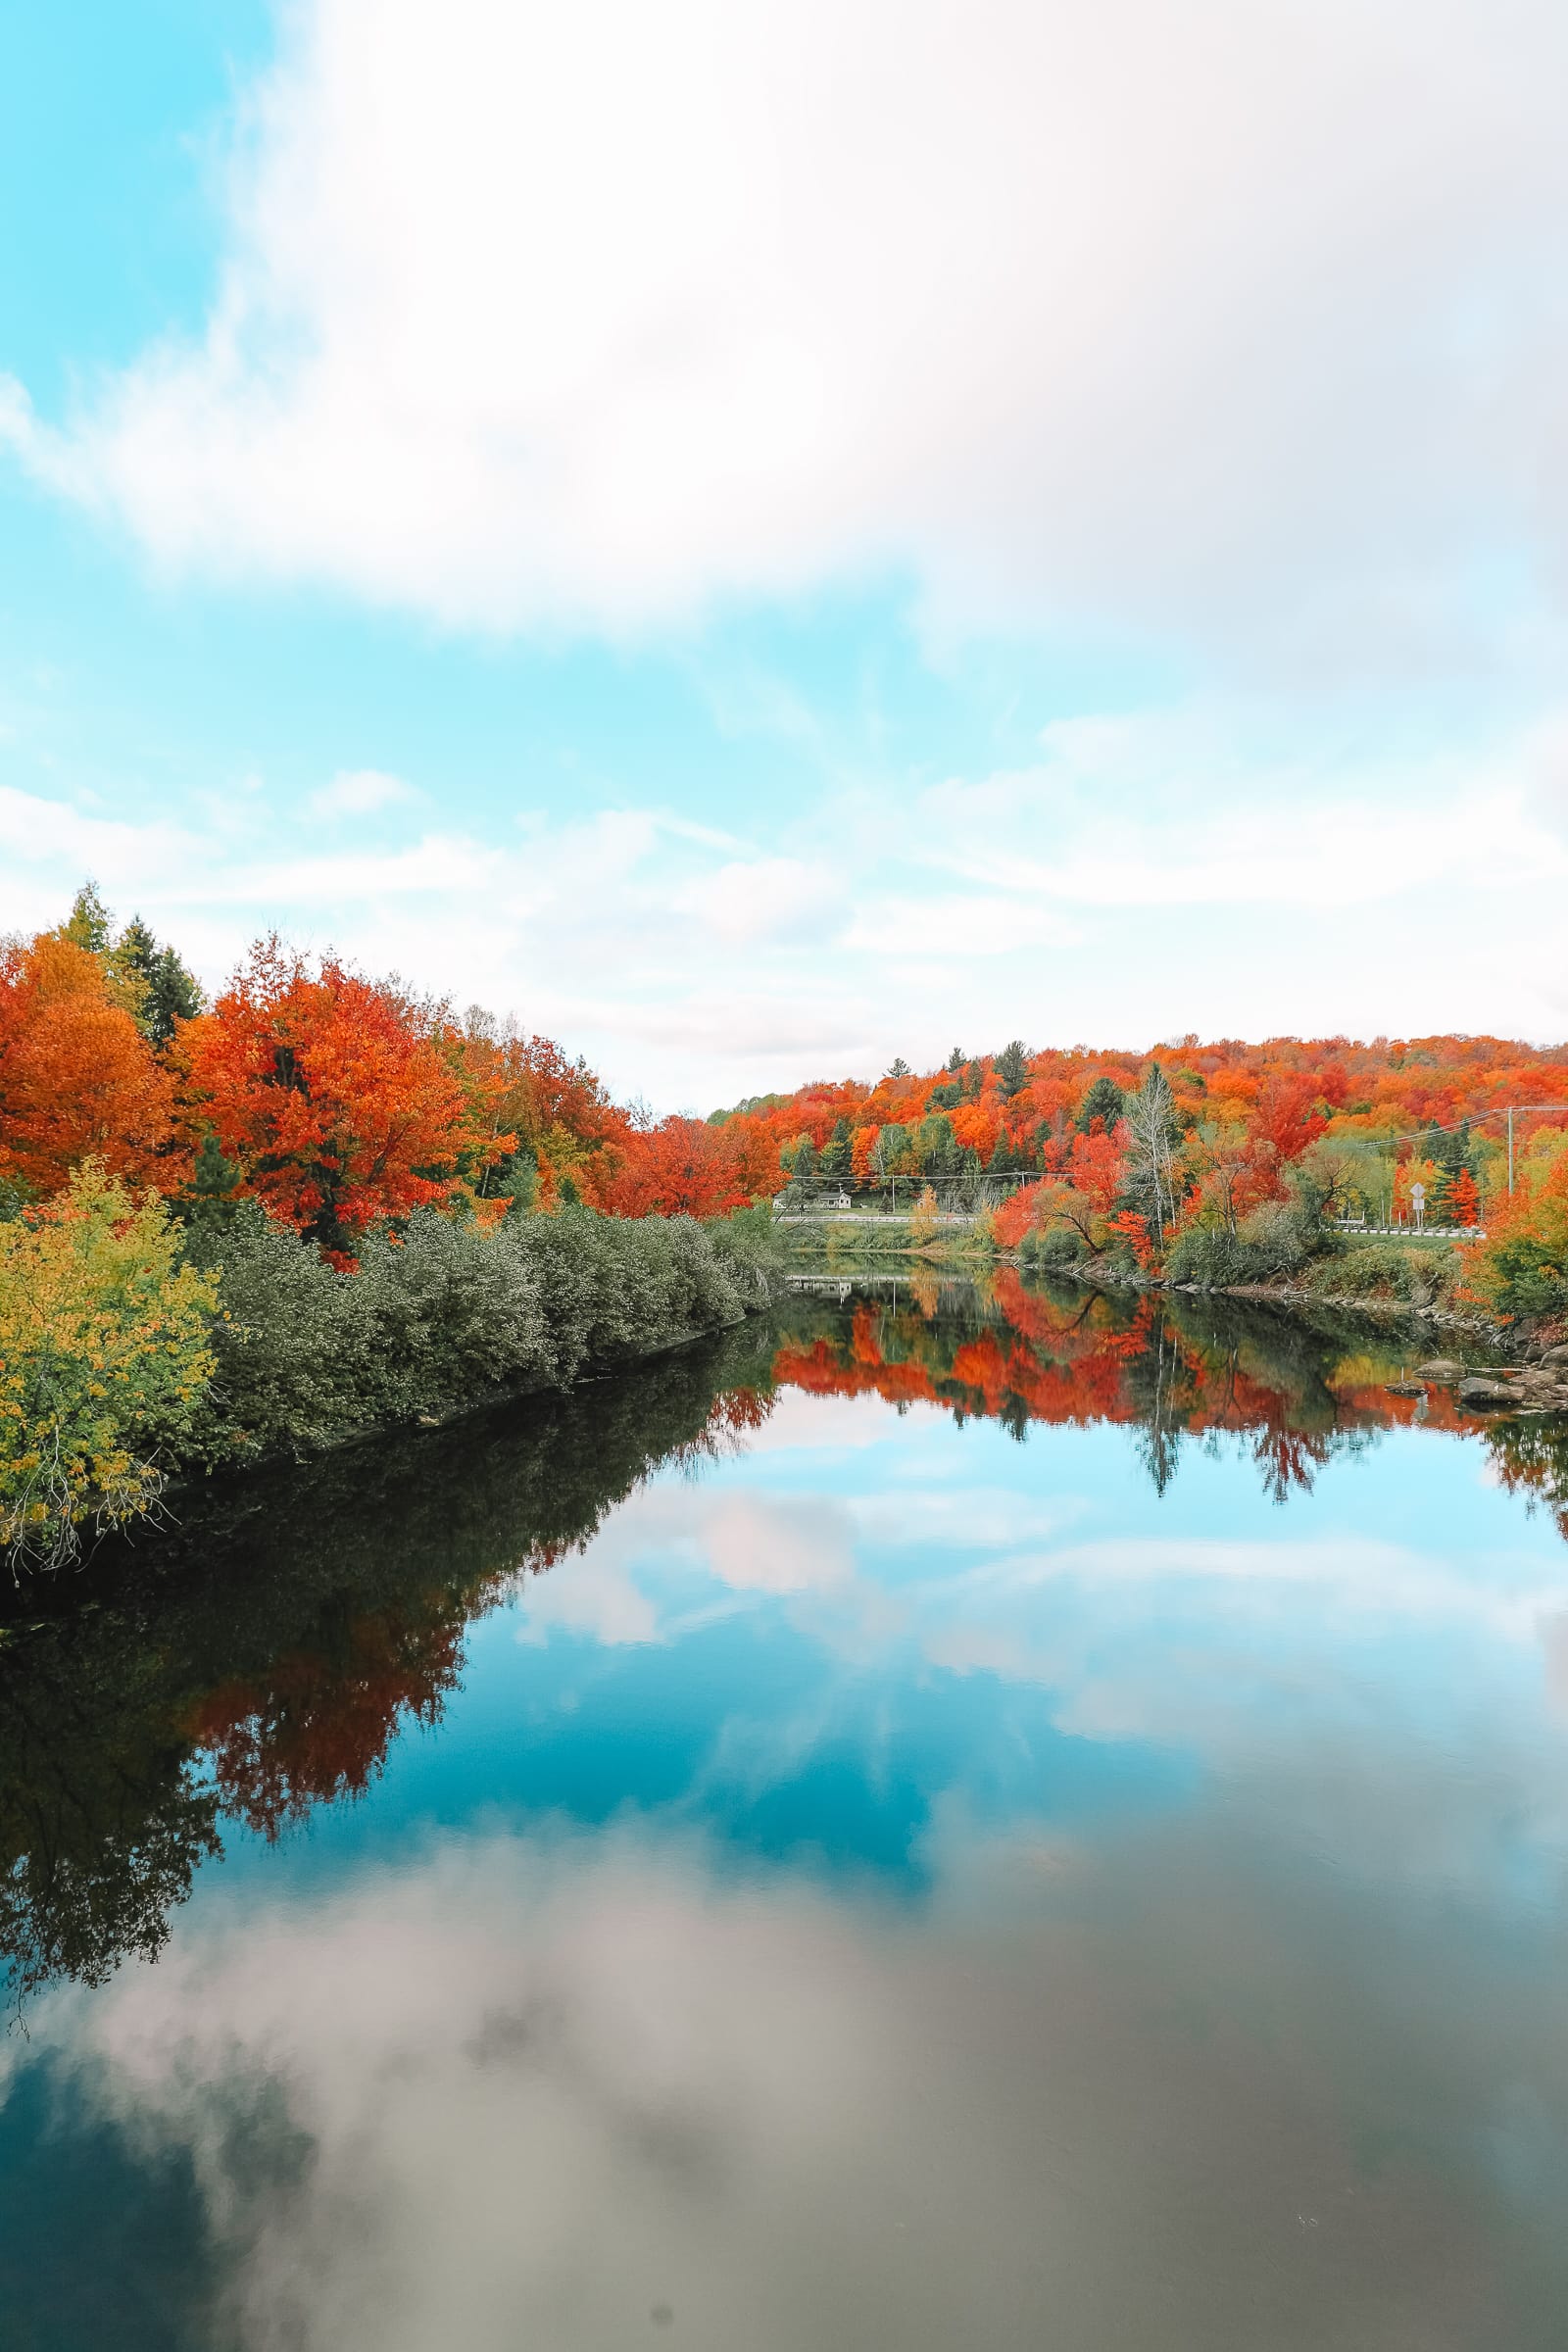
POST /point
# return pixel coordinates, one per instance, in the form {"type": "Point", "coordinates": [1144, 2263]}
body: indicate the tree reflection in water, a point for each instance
{"type": "Point", "coordinates": [1169, 1367]}
{"type": "Point", "coordinates": [261, 1659]}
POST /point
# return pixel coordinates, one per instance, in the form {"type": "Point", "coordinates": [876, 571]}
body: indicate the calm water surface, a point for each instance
{"type": "Point", "coordinates": [941, 1821]}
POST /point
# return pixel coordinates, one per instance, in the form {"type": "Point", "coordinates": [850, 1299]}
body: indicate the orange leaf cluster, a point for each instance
{"type": "Point", "coordinates": [334, 1096]}
{"type": "Point", "coordinates": [76, 1077]}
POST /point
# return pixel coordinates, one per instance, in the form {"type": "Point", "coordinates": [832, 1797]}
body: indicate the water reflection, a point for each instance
{"type": "Point", "coordinates": [1170, 1367]}
{"type": "Point", "coordinates": [754, 1850]}
{"type": "Point", "coordinates": [260, 1660]}
{"type": "Point", "coordinates": [1138, 2095]}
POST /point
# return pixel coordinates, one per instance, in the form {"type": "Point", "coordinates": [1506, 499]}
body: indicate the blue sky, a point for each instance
{"type": "Point", "coordinates": [761, 540]}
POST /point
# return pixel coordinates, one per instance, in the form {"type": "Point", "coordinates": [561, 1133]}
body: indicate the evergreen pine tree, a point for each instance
{"type": "Point", "coordinates": [136, 952]}
{"type": "Point", "coordinates": [1013, 1070]}
{"type": "Point", "coordinates": [1103, 1100]}
{"type": "Point", "coordinates": [211, 1200]}
{"type": "Point", "coordinates": [836, 1163]}
{"type": "Point", "coordinates": [173, 994]}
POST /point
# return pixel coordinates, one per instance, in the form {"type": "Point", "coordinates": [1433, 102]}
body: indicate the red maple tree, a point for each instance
{"type": "Point", "coordinates": [335, 1096]}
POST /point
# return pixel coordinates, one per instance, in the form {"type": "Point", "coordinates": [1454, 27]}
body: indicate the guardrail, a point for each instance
{"type": "Point", "coordinates": [1414, 1232]}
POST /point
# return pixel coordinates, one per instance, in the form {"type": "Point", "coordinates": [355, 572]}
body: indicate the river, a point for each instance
{"type": "Point", "coordinates": [943, 1818]}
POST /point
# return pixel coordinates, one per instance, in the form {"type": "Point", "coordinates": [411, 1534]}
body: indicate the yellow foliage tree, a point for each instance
{"type": "Point", "coordinates": [923, 1219]}
{"type": "Point", "coordinates": [104, 1355]}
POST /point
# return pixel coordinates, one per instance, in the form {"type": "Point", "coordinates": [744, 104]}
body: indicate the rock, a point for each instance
{"type": "Point", "coordinates": [1555, 1357]}
{"type": "Point", "coordinates": [1477, 1391]}
{"type": "Point", "coordinates": [1403, 1388]}
{"type": "Point", "coordinates": [1441, 1367]}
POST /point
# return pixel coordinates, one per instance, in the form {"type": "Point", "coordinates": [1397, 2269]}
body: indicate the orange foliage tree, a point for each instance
{"type": "Point", "coordinates": [555, 1109]}
{"type": "Point", "coordinates": [1464, 1199]}
{"type": "Point", "coordinates": [683, 1166]}
{"type": "Point", "coordinates": [76, 1075]}
{"type": "Point", "coordinates": [337, 1097]}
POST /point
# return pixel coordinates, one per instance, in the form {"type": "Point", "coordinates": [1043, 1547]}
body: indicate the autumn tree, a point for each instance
{"type": "Point", "coordinates": [566, 1129]}
{"type": "Point", "coordinates": [924, 1219]}
{"type": "Point", "coordinates": [104, 1355]}
{"type": "Point", "coordinates": [1522, 1266]}
{"type": "Point", "coordinates": [1218, 1154]}
{"type": "Point", "coordinates": [1464, 1199]}
{"type": "Point", "coordinates": [334, 1095]}
{"type": "Point", "coordinates": [1285, 1119]}
{"type": "Point", "coordinates": [678, 1167]}
{"type": "Point", "coordinates": [76, 1076]}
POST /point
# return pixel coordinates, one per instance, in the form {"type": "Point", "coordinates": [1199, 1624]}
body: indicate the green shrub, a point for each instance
{"type": "Point", "coordinates": [291, 1355]}
{"type": "Point", "coordinates": [442, 1314]}
{"type": "Point", "coordinates": [1270, 1245]}
{"type": "Point", "coordinates": [1058, 1246]}
{"type": "Point", "coordinates": [750, 1249]}
{"type": "Point", "coordinates": [1391, 1271]}
{"type": "Point", "coordinates": [1524, 1274]}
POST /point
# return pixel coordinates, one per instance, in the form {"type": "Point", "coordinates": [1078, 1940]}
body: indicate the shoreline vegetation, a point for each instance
{"type": "Point", "coordinates": [320, 1204]}
{"type": "Point", "coordinates": [261, 1658]}
{"type": "Point", "coordinates": [239, 1346]}
{"type": "Point", "coordinates": [1419, 1279]}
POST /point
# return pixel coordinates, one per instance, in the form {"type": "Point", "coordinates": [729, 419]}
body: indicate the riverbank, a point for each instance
{"type": "Point", "coordinates": [265, 1350]}
{"type": "Point", "coordinates": [967, 1245]}
{"type": "Point", "coordinates": [443, 1321]}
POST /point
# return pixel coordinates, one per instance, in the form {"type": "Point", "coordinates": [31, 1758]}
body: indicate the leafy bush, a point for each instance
{"type": "Point", "coordinates": [1272, 1244]}
{"type": "Point", "coordinates": [1059, 1246]}
{"type": "Point", "coordinates": [104, 1356]}
{"type": "Point", "coordinates": [1406, 1276]}
{"type": "Point", "coordinates": [750, 1249]}
{"type": "Point", "coordinates": [291, 1353]}
{"type": "Point", "coordinates": [1525, 1274]}
{"type": "Point", "coordinates": [444, 1314]}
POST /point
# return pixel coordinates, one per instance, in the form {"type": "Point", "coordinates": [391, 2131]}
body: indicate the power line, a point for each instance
{"type": "Point", "coordinates": [1472, 1118]}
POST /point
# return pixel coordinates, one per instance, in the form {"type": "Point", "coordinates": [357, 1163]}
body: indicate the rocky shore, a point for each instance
{"type": "Point", "coordinates": [1540, 1384]}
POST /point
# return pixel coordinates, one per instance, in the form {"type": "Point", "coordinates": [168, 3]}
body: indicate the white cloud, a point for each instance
{"type": "Point", "coordinates": [529, 2091]}
{"type": "Point", "coordinates": [1240, 320]}
{"type": "Point", "coordinates": [1171, 808]}
{"type": "Point", "coordinates": [748, 899]}
{"type": "Point", "coordinates": [361, 792]}
{"type": "Point", "coordinates": [757, 1542]}
{"type": "Point", "coordinates": [694, 968]}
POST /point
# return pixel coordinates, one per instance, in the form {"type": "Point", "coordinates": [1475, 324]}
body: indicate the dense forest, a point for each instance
{"type": "Point", "coordinates": [322, 1203]}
